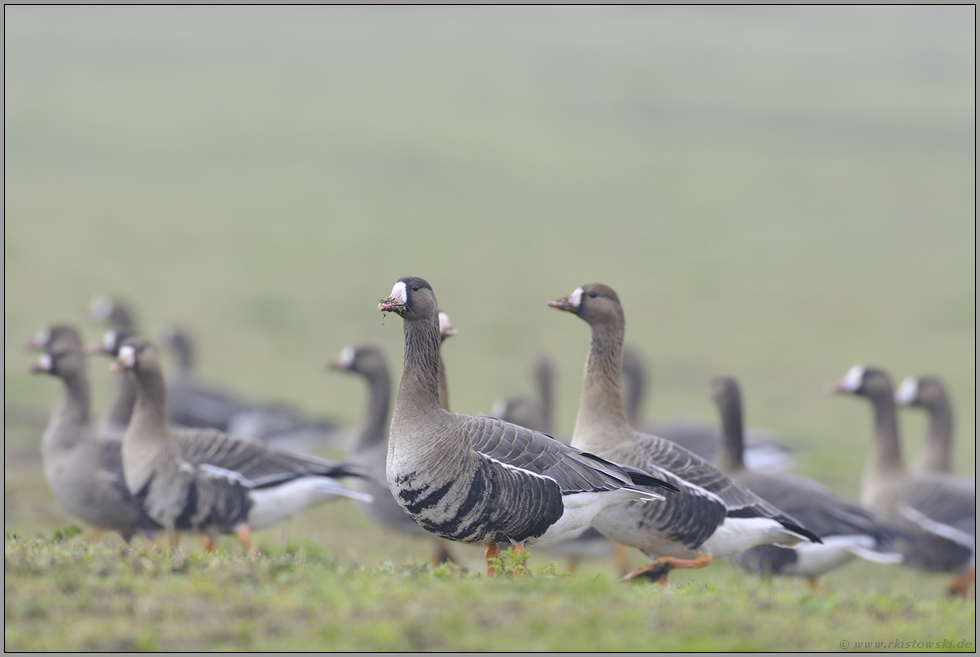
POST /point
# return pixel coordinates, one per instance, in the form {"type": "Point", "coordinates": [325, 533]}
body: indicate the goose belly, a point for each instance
{"type": "Point", "coordinates": [740, 534]}
{"type": "Point", "coordinates": [276, 503]}
{"type": "Point", "coordinates": [625, 524]}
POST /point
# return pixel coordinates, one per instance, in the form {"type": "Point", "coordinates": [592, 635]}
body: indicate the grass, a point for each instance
{"type": "Point", "coordinates": [775, 193]}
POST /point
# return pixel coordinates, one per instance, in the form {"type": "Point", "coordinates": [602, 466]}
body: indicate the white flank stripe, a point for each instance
{"type": "Point", "coordinates": [217, 472]}
{"type": "Point", "coordinates": [514, 467]}
{"type": "Point", "coordinates": [939, 528]}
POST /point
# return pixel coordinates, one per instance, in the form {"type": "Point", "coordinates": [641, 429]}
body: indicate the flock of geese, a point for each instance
{"type": "Point", "coordinates": [174, 455]}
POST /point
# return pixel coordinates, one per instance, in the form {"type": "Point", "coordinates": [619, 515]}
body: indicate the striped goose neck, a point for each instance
{"type": "Point", "coordinates": [379, 402]}
{"type": "Point", "coordinates": [418, 390]}
{"type": "Point", "coordinates": [148, 425]}
{"type": "Point", "coordinates": [886, 455]}
{"type": "Point", "coordinates": [601, 420]}
{"type": "Point", "coordinates": [123, 401]}
{"type": "Point", "coordinates": [935, 456]}
{"type": "Point", "coordinates": [72, 412]}
{"type": "Point", "coordinates": [730, 457]}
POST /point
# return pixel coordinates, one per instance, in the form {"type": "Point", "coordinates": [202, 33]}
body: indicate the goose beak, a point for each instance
{"type": "Point", "coordinates": [94, 348]}
{"type": "Point", "coordinates": [43, 364]}
{"type": "Point", "coordinates": [446, 329]}
{"type": "Point", "coordinates": [837, 387]}
{"type": "Point", "coordinates": [564, 303]}
{"type": "Point", "coordinates": [343, 361]}
{"type": "Point", "coordinates": [115, 367]}
{"type": "Point", "coordinates": [392, 305]}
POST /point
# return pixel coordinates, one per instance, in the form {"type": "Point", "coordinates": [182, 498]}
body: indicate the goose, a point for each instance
{"type": "Point", "coordinates": [369, 442]}
{"type": "Point", "coordinates": [112, 311]}
{"type": "Point", "coordinates": [763, 451]}
{"type": "Point", "coordinates": [479, 479]}
{"type": "Point", "coordinates": [938, 509]}
{"type": "Point", "coordinates": [83, 468]}
{"type": "Point", "coordinates": [193, 402]}
{"type": "Point", "coordinates": [711, 515]}
{"type": "Point", "coordinates": [848, 530]}
{"type": "Point", "coordinates": [928, 392]}
{"type": "Point", "coordinates": [209, 482]}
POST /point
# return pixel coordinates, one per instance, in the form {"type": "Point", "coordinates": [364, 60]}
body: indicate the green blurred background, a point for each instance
{"type": "Point", "coordinates": [775, 193]}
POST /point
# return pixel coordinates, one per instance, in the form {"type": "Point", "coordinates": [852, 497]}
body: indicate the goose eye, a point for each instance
{"type": "Point", "coordinates": [593, 294]}
{"type": "Point", "coordinates": [415, 288]}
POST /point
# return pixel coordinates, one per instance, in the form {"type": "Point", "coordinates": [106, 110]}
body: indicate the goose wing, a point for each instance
{"type": "Point", "coordinates": [539, 455]}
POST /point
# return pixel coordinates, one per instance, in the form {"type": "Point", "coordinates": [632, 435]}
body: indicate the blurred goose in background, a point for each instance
{"type": "Point", "coordinates": [528, 412]}
{"type": "Point", "coordinates": [211, 482]}
{"type": "Point", "coordinates": [763, 450]}
{"type": "Point", "coordinates": [112, 311]}
{"type": "Point", "coordinates": [192, 402]}
{"type": "Point", "coordinates": [369, 442]}
{"type": "Point", "coordinates": [83, 468]}
{"type": "Point", "coordinates": [479, 479]}
{"type": "Point", "coordinates": [848, 530]}
{"type": "Point", "coordinates": [937, 509]}
{"type": "Point", "coordinates": [711, 515]}
{"type": "Point", "coordinates": [928, 392]}
{"type": "Point", "coordinates": [116, 416]}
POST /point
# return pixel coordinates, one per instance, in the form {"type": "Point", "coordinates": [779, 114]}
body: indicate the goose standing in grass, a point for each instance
{"type": "Point", "coordinates": [479, 479]}
{"type": "Point", "coordinates": [711, 515]}
{"type": "Point", "coordinates": [211, 482]}
{"type": "Point", "coordinates": [763, 451]}
{"type": "Point", "coordinates": [83, 467]}
{"type": "Point", "coordinates": [848, 530]}
{"type": "Point", "coordinates": [938, 509]}
{"type": "Point", "coordinates": [369, 444]}
{"type": "Point", "coordinates": [928, 392]}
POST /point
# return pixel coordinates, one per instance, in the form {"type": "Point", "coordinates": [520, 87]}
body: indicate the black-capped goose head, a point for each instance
{"type": "Point", "coordinates": [364, 359]}
{"type": "Point", "coordinates": [137, 354]}
{"type": "Point", "coordinates": [924, 391]}
{"type": "Point", "coordinates": [595, 303]}
{"type": "Point", "coordinates": [411, 299]}
{"type": "Point", "coordinates": [864, 381]}
{"type": "Point", "coordinates": [64, 358]}
{"type": "Point", "coordinates": [108, 310]}
{"type": "Point", "coordinates": [47, 336]}
{"type": "Point", "coordinates": [111, 342]}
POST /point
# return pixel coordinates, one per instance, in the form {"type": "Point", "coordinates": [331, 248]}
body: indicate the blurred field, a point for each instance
{"type": "Point", "coordinates": [775, 193]}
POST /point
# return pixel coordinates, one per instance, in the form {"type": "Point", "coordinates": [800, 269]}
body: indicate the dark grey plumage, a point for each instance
{"type": "Point", "coordinates": [929, 393]}
{"type": "Point", "coordinates": [478, 479]}
{"type": "Point", "coordinates": [83, 467]}
{"type": "Point", "coordinates": [847, 529]}
{"type": "Point", "coordinates": [937, 509]}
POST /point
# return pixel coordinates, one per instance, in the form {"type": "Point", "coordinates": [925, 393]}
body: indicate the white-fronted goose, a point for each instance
{"type": "Point", "coordinates": [928, 392]}
{"type": "Point", "coordinates": [848, 530]}
{"type": "Point", "coordinates": [211, 482]}
{"type": "Point", "coordinates": [479, 479]}
{"type": "Point", "coordinates": [711, 515]}
{"type": "Point", "coordinates": [763, 450]}
{"type": "Point", "coordinates": [938, 509]}
{"type": "Point", "coordinates": [83, 468]}
{"type": "Point", "coordinates": [116, 416]}
{"type": "Point", "coordinates": [534, 414]}
{"type": "Point", "coordinates": [112, 311]}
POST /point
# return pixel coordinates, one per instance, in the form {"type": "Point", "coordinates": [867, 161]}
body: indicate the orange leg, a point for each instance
{"type": "Point", "coordinates": [622, 556]}
{"type": "Point", "coordinates": [208, 544]}
{"type": "Point", "coordinates": [573, 563]}
{"type": "Point", "coordinates": [658, 568]}
{"type": "Point", "coordinates": [490, 551]}
{"type": "Point", "coordinates": [813, 582]}
{"type": "Point", "coordinates": [173, 539]}
{"type": "Point", "coordinates": [244, 535]}
{"type": "Point", "coordinates": [961, 585]}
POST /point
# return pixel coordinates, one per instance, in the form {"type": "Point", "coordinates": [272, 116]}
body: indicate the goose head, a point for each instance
{"type": "Point", "coordinates": [595, 303]}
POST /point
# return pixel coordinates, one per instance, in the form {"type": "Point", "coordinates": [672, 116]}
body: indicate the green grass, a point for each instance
{"type": "Point", "coordinates": [775, 193]}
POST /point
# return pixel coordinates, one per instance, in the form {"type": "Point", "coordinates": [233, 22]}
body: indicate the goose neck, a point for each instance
{"type": "Point", "coordinates": [418, 390]}
{"type": "Point", "coordinates": [887, 452]}
{"type": "Point", "coordinates": [936, 453]}
{"type": "Point", "coordinates": [730, 456]}
{"type": "Point", "coordinates": [601, 416]}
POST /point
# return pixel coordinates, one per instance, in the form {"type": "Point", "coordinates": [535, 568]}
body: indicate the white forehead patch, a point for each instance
{"type": "Point", "coordinates": [346, 358]}
{"type": "Point", "coordinates": [444, 323]}
{"type": "Point", "coordinates": [852, 380]}
{"type": "Point", "coordinates": [42, 337]}
{"type": "Point", "coordinates": [907, 391]}
{"type": "Point", "coordinates": [575, 298]}
{"type": "Point", "coordinates": [44, 362]}
{"type": "Point", "coordinates": [101, 308]}
{"type": "Point", "coordinates": [109, 341]}
{"type": "Point", "coordinates": [127, 356]}
{"type": "Point", "coordinates": [399, 293]}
